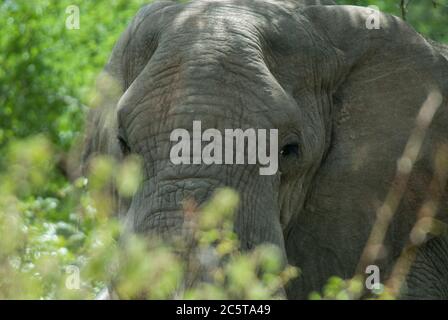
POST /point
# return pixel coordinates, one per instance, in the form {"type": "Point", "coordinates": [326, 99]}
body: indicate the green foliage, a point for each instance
{"type": "Point", "coordinates": [50, 226]}
{"type": "Point", "coordinates": [340, 289]}
{"type": "Point", "coordinates": [47, 70]}
{"type": "Point", "coordinates": [46, 240]}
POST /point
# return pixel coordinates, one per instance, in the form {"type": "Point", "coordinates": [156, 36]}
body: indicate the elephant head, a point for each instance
{"type": "Point", "coordinates": [343, 95]}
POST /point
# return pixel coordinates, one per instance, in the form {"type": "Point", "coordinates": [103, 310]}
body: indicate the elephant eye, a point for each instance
{"type": "Point", "coordinates": [124, 147]}
{"type": "Point", "coordinates": [291, 149]}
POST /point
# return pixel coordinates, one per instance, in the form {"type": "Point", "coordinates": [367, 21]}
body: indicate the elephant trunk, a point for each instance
{"type": "Point", "coordinates": [165, 201]}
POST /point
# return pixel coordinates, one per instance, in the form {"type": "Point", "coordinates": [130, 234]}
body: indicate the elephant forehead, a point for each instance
{"type": "Point", "coordinates": [241, 10]}
{"type": "Point", "coordinates": [250, 32]}
{"type": "Point", "coordinates": [233, 21]}
{"type": "Point", "coordinates": [226, 60]}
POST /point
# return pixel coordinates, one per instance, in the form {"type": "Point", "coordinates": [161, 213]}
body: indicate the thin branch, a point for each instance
{"type": "Point", "coordinates": [404, 8]}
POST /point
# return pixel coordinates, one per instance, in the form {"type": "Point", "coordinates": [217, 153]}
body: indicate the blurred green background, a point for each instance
{"type": "Point", "coordinates": [47, 74]}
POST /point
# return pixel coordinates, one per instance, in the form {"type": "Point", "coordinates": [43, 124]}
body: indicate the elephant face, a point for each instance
{"type": "Point", "coordinates": [228, 66]}
{"type": "Point", "coordinates": [280, 65]}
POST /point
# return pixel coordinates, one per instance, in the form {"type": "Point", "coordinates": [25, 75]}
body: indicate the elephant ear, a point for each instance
{"type": "Point", "coordinates": [389, 108]}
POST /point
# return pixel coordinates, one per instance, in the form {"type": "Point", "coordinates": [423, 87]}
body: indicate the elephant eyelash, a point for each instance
{"type": "Point", "coordinates": [124, 147]}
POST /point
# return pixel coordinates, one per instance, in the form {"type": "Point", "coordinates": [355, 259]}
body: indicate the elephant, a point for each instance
{"type": "Point", "coordinates": [361, 114]}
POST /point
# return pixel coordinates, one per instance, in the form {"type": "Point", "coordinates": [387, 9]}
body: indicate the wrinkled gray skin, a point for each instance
{"type": "Point", "coordinates": [346, 95]}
